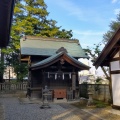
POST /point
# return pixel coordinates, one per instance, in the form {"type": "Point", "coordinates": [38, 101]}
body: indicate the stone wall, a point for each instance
{"type": "Point", "coordinates": [100, 91]}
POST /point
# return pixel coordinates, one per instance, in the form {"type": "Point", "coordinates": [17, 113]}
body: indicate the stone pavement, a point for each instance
{"type": "Point", "coordinates": [113, 111]}
{"type": "Point", "coordinates": [65, 112]}
{"type": "Point", "coordinates": [71, 113]}
{"type": "Point", "coordinates": [80, 113]}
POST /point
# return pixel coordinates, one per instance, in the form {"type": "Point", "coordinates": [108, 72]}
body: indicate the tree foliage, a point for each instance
{"type": "Point", "coordinates": [114, 25]}
{"type": "Point", "coordinates": [30, 18]}
{"type": "Point", "coordinates": [94, 52]}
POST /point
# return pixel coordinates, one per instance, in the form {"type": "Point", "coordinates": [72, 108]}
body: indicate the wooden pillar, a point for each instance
{"type": "Point", "coordinates": [29, 74]}
{"type": "Point", "coordinates": [42, 79]}
{"type": "Point", "coordinates": [73, 83]}
{"type": "Point", "coordinates": [44, 83]}
{"type": "Point", "coordinates": [29, 79]}
{"type": "Point", "coordinates": [29, 85]}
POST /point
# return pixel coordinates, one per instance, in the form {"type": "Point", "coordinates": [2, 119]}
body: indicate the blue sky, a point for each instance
{"type": "Point", "coordinates": [88, 19]}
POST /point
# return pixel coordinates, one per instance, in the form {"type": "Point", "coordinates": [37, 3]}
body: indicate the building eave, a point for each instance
{"type": "Point", "coordinates": [55, 58]}
{"type": "Point", "coordinates": [107, 49]}
{"type": "Point", "coordinates": [6, 12]}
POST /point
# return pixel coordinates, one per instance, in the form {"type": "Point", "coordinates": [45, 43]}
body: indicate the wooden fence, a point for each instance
{"type": "Point", "coordinates": [13, 86]}
{"type": "Point", "coordinates": [100, 91]}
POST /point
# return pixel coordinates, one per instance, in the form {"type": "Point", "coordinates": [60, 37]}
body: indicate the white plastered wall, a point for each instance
{"type": "Point", "coordinates": [116, 89]}
{"type": "Point", "coordinates": [115, 65]}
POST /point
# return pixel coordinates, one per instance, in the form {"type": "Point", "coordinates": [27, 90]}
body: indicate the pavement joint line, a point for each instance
{"type": "Point", "coordinates": [93, 114]}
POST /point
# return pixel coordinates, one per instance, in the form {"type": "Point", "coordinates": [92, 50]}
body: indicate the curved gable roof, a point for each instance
{"type": "Point", "coordinates": [55, 58]}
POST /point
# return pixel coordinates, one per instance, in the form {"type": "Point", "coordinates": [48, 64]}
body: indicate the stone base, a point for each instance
{"type": "Point", "coordinates": [45, 106]}
{"type": "Point", "coordinates": [83, 101]}
{"type": "Point", "coordinates": [57, 100]}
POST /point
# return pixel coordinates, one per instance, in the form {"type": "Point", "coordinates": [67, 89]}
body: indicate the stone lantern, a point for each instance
{"type": "Point", "coordinates": [45, 96]}
{"type": "Point", "coordinates": [90, 94]}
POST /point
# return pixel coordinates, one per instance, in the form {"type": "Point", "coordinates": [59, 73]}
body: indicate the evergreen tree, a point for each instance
{"type": "Point", "coordinates": [30, 18]}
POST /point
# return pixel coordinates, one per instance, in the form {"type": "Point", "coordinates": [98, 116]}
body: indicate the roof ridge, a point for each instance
{"type": "Point", "coordinates": [50, 39]}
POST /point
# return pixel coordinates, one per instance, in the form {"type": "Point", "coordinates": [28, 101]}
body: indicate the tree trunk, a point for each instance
{"type": "Point", "coordinates": [110, 84]}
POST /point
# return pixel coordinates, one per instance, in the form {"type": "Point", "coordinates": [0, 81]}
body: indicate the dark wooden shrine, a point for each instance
{"type": "Point", "coordinates": [52, 63]}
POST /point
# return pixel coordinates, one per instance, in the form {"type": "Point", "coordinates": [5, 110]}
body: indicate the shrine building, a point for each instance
{"type": "Point", "coordinates": [53, 62]}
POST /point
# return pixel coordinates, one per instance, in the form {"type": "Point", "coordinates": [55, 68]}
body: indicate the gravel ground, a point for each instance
{"type": "Point", "coordinates": [14, 110]}
{"type": "Point", "coordinates": [1, 112]}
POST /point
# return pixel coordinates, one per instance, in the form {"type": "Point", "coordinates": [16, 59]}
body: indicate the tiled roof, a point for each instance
{"type": "Point", "coordinates": [49, 46]}
{"type": "Point", "coordinates": [53, 58]}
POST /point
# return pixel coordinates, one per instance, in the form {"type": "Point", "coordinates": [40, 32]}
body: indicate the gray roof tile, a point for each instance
{"type": "Point", "coordinates": [49, 46]}
{"type": "Point", "coordinates": [55, 56]}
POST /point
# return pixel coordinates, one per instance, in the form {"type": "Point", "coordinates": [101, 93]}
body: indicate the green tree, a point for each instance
{"type": "Point", "coordinates": [114, 25]}
{"type": "Point", "coordinates": [30, 18]}
{"type": "Point", "coordinates": [21, 70]}
{"type": "Point", "coordinates": [94, 52]}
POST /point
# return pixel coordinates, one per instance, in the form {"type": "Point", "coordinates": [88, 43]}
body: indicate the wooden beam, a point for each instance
{"type": "Point", "coordinates": [103, 69]}
{"type": "Point", "coordinates": [114, 52]}
{"type": "Point", "coordinates": [24, 59]}
{"type": "Point", "coordinates": [117, 46]}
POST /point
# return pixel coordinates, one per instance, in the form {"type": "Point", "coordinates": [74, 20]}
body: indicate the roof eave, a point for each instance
{"type": "Point", "coordinates": [6, 11]}
{"type": "Point", "coordinates": [108, 47]}
{"type": "Point", "coordinates": [58, 57]}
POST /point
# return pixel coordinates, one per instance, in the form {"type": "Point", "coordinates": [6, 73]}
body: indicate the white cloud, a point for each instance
{"type": "Point", "coordinates": [88, 38]}
{"type": "Point", "coordinates": [112, 19]}
{"type": "Point", "coordinates": [72, 8]}
{"type": "Point", "coordinates": [114, 1]}
{"type": "Point", "coordinates": [117, 11]}
{"type": "Point", "coordinates": [90, 33]}
{"type": "Point", "coordinates": [81, 13]}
